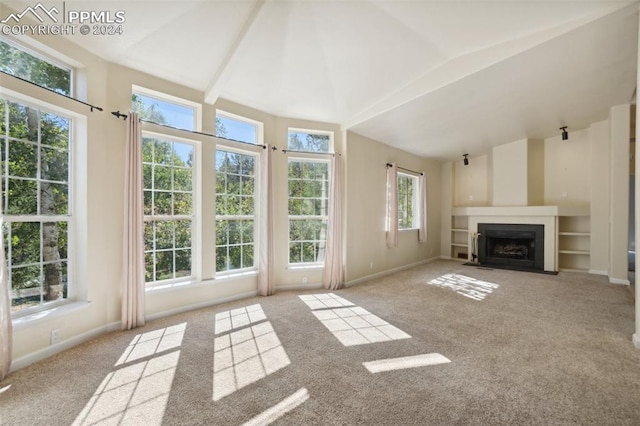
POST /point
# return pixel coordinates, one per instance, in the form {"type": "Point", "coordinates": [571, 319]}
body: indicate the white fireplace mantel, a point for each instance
{"type": "Point", "coordinates": [533, 215]}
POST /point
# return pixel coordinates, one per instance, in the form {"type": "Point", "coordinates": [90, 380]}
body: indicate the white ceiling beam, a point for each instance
{"type": "Point", "coordinates": [212, 93]}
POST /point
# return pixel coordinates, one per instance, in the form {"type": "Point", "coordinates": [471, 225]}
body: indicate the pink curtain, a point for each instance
{"type": "Point", "coordinates": [392, 205]}
{"type": "Point", "coordinates": [133, 248]}
{"type": "Point", "coordinates": [422, 207]}
{"type": "Point", "coordinates": [332, 276]}
{"type": "Point", "coordinates": [6, 332]}
{"type": "Point", "coordinates": [266, 286]}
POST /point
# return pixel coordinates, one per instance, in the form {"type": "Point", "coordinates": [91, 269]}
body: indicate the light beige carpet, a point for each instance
{"type": "Point", "coordinates": [525, 348]}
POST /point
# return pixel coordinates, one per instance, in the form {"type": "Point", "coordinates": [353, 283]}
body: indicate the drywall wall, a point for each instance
{"type": "Point", "coordinates": [567, 170]}
{"type": "Point", "coordinates": [600, 173]}
{"type": "Point", "coordinates": [510, 174]}
{"type": "Point", "coordinates": [470, 182]}
{"type": "Point", "coordinates": [367, 253]}
{"type": "Point", "coordinates": [619, 128]}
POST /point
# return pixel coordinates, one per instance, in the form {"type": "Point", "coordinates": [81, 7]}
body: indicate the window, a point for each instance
{"type": "Point", "coordinates": [235, 127]}
{"type": "Point", "coordinates": [35, 147]}
{"type": "Point", "coordinates": [235, 211]}
{"type": "Point", "coordinates": [44, 72]}
{"type": "Point", "coordinates": [168, 208]}
{"type": "Point", "coordinates": [164, 109]}
{"type": "Point", "coordinates": [308, 210]}
{"type": "Point", "coordinates": [310, 141]}
{"type": "Point", "coordinates": [407, 201]}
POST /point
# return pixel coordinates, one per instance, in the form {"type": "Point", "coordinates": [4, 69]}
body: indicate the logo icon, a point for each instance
{"type": "Point", "coordinates": [34, 11]}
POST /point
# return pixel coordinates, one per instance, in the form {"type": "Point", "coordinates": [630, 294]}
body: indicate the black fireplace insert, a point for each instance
{"type": "Point", "coordinates": [511, 246]}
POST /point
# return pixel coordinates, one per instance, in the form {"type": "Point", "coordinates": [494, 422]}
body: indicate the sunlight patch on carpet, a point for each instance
{"type": "Point", "coordinates": [136, 394]}
{"type": "Point", "coordinates": [280, 409]}
{"type": "Point", "coordinates": [236, 318]}
{"type": "Point", "coordinates": [404, 362]}
{"type": "Point", "coordinates": [323, 301]}
{"type": "Point", "coordinates": [357, 326]}
{"type": "Point", "coordinates": [466, 286]}
{"type": "Point", "coordinates": [153, 342]}
{"type": "Point", "coordinates": [245, 356]}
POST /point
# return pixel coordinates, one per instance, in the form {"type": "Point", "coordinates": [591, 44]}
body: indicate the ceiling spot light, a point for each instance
{"type": "Point", "coordinates": [565, 135]}
{"type": "Point", "coordinates": [466, 160]}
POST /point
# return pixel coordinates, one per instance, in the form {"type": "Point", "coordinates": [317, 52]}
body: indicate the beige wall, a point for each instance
{"type": "Point", "coordinates": [510, 174]}
{"type": "Point", "coordinates": [470, 182]}
{"type": "Point", "coordinates": [567, 170]}
{"type": "Point", "coordinates": [367, 253]}
{"type": "Point", "coordinates": [600, 166]}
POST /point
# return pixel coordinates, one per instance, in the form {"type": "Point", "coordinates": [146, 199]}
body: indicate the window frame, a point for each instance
{"type": "Point", "coordinates": [256, 211]}
{"type": "Point", "coordinates": [300, 156]}
{"type": "Point", "coordinates": [195, 197]}
{"type": "Point", "coordinates": [259, 125]}
{"type": "Point", "coordinates": [75, 292]}
{"type": "Point", "coordinates": [413, 178]}
{"type": "Point", "coordinates": [312, 132]}
{"type": "Point", "coordinates": [161, 96]}
{"type": "Point", "coordinates": [51, 59]}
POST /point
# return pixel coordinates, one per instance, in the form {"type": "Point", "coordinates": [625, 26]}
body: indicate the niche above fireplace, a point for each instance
{"type": "Point", "coordinates": [511, 246]}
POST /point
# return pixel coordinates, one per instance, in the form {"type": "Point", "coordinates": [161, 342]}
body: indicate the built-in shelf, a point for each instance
{"type": "Point", "coordinates": [459, 237]}
{"type": "Point", "coordinates": [582, 252]}
{"type": "Point", "coordinates": [574, 243]}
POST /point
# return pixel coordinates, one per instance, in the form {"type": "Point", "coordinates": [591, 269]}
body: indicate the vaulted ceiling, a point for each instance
{"type": "Point", "coordinates": [436, 78]}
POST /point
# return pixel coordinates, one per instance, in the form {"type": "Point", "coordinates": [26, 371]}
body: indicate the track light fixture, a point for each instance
{"type": "Point", "coordinates": [466, 160]}
{"type": "Point", "coordinates": [565, 135]}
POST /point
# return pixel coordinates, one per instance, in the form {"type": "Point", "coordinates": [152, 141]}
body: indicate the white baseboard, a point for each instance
{"type": "Point", "coordinates": [44, 353]}
{"type": "Point", "coordinates": [619, 281]}
{"type": "Point", "coordinates": [390, 271]}
{"type": "Point", "coordinates": [200, 305]}
{"type": "Point", "coordinates": [298, 287]}
{"type": "Point", "coordinates": [598, 272]}
{"type": "Point", "coordinates": [636, 340]}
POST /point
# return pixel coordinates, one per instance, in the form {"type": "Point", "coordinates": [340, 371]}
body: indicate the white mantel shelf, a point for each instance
{"type": "Point", "coordinates": [521, 211]}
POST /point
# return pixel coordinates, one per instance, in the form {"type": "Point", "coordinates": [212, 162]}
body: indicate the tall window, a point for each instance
{"type": "Point", "coordinates": [168, 208]}
{"type": "Point", "coordinates": [22, 63]}
{"type": "Point", "coordinates": [407, 201]}
{"type": "Point", "coordinates": [235, 211]}
{"type": "Point", "coordinates": [308, 210]}
{"type": "Point", "coordinates": [235, 127]}
{"type": "Point", "coordinates": [35, 147]}
{"type": "Point", "coordinates": [164, 109]}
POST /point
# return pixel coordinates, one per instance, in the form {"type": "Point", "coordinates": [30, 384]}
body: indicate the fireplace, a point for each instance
{"type": "Point", "coordinates": [511, 246]}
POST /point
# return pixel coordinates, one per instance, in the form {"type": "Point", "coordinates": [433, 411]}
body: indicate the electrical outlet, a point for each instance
{"type": "Point", "coordinates": [564, 194]}
{"type": "Point", "coordinates": [370, 265]}
{"type": "Point", "coordinates": [470, 197]}
{"type": "Point", "coordinates": [304, 280]}
{"type": "Point", "coordinates": [55, 336]}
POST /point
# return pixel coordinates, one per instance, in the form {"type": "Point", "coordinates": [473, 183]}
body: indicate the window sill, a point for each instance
{"type": "Point", "coordinates": [64, 308]}
{"type": "Point", "coordinates": [192, 283]}
{"type": "Point", "coordinates": [306, 267]}
{"type": "Point", "coordinates": [408, 229]}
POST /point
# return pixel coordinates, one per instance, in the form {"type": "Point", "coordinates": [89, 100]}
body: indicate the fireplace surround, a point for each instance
{"type": "Point", "coordinates": [511, 246]}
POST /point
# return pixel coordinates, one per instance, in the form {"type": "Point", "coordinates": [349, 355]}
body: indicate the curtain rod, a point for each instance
{"type": "Point", "coordinates": [118, 114]}
{"type": "Point", "coordinates": [310, 152]}
{"type": "Point", "coordinates": [406, 170]}
{"type": "Point", "coordinates": [53, 91]}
